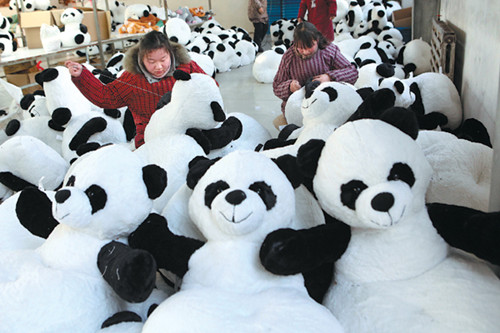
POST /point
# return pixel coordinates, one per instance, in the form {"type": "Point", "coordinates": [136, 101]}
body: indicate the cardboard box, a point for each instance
{"type": "Point", "coordinates": [402, 17]}
{"type": "Point", "coordinates": [32, 21]}
{"type": "Point", "coordinates": [23, 79]}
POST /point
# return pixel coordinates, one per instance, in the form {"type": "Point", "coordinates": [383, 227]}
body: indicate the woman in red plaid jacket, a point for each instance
{"type": "Point", "coordinates": [149, 66]}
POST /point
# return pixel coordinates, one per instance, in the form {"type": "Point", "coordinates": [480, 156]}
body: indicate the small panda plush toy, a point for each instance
{"type": "Point", "coordinates": [397, 261]}
{"type": "Point", "coordinates": [235, 204]}
{"type": "Point", "coordinates": [73, 33]}
{"type": "Point", "coordinates": [8, 44]}
{"type": "Point", "coordinates": [84, 271]}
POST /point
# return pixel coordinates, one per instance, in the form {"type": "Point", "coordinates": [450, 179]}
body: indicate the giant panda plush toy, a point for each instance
{"type": "Point", "coordinates": [397, 272]}
{"type": "Point", "coordinates": [84, 272]}
{"type": "Point", "coordinates": [194, 108]}
{"type": "Point", "coordinates": [235, 203]}
{"type": "Point", "coordinates": [73, 33]}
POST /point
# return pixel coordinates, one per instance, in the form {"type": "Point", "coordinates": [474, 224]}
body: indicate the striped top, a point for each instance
{"type": "Point", "coordinates": [326, 61]}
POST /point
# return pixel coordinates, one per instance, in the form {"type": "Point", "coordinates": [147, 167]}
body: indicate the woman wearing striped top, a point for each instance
{"type": "Point", "coordinates": [310, 57]}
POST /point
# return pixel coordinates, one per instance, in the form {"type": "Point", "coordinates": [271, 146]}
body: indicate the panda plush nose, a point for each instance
{"type": "Point", "coordinates": [382, 202]}
{"type": "Point", "coordinates": [236, 197]}
{"type": "Point", "coordinates": [62, 195]}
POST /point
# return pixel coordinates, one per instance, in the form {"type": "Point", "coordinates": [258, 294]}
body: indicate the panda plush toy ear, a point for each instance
{"type": "Point", "coordinates": [197, 168]}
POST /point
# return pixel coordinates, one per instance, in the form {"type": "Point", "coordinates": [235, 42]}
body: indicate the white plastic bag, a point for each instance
{"type": "Point", "coordinates": [50, 37]}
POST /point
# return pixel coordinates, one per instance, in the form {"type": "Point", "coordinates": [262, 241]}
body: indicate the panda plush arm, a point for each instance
{"type": "Point", "coordinates": [170, 251]}
{"type": "Point", "coordinates": [468, 229]}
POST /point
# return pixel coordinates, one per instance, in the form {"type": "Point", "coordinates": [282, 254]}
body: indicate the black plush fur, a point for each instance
{"type": "Point", "coordinates": [34, 211]}
{"type": "Point", "coordinates": [130, 272]}
{"type": "Point", "coordinates": [468, 229]}
{"type": "Point", "coordinates": [171, 252]}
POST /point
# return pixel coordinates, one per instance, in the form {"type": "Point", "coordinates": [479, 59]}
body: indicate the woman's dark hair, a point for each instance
{"type": "Point", "coordinates": [153, 40]}
{"type": "Point", "coordinates": [305, 34]}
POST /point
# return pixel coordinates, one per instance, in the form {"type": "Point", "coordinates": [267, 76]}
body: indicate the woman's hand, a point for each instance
{"type": "Point", "coordinates": [75, 69]}
{"type": "Point", "coordinates": [294, 86]}
{"type": "Point", "coordinates": [322, 78]}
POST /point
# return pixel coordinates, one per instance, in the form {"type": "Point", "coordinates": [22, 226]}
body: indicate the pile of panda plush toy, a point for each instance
{"type": "Point", "coordinates": [368, 212]}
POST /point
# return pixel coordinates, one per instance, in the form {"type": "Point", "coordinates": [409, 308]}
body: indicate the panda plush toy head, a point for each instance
{"type": "Point", "coordinates": [330, 102]}
{"type": "Point", "coordinates": [396, 171]}
{"type": "Point", "coordinates": [93, 199]}
{"type": "Point", "coordinates": [177, 30]}
{"type": "Point", "coordinates": [241, 200]}
{"type": "Point", "coordinates": [266, 64]}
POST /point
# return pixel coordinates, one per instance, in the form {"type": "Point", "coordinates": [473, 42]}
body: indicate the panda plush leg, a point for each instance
{"type": "Point", "coordinates": [468, 229]}
{"type": "Point", "coordinates": [130, 272]}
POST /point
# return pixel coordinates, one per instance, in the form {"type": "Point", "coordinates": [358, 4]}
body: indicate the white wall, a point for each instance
{"type": "Point", "coordinates": [477, 55]}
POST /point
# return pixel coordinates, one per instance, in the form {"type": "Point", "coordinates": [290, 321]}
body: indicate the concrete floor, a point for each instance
{"type": "Point", "coordinates": [242, 93]}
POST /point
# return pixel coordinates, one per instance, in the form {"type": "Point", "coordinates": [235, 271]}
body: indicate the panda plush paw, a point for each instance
{"type": "Point", "coordinates": [130, 272]}
{"type": "Point", "coordinates": [287, 251]}
{"type": "Point", "coordinates": [468, 229]}
{"type": "Point", "coordinates": [170, 251]}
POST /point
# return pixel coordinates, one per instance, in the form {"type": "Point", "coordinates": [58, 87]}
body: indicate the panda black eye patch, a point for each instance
{"type": "Point", "coordinates": [97, 197]}
{"type": "Point", "coordinates": [401, 171]}
{"type": "Point", "coordinates": [265, 192]}
{"type": "Point", "coordinates": [213, 190]}
{"type": "Point", "coordinates": [350, 192]}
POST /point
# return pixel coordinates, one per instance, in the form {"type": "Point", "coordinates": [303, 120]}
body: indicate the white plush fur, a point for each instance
{"type": "Point", "coordinates": [33, 161]}
{"type": "Point", "coordinates": [226, 289]}
{"type": "Point", "coordinates": [266, 66]}
{"type": "Point", "coordinates": [396, 274]}
{"type": "Point", "coordinates": [461, 170]}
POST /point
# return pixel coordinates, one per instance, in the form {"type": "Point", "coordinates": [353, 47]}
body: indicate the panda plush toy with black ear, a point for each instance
{"type": "Point", "coordinates": [73, 33]}
{"type": "Point", "coordinates": [397, 260]}
{"type": "Point", "coordinates": [84, 272]}
{"type": "Point", "coordinates": [236, 202]}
